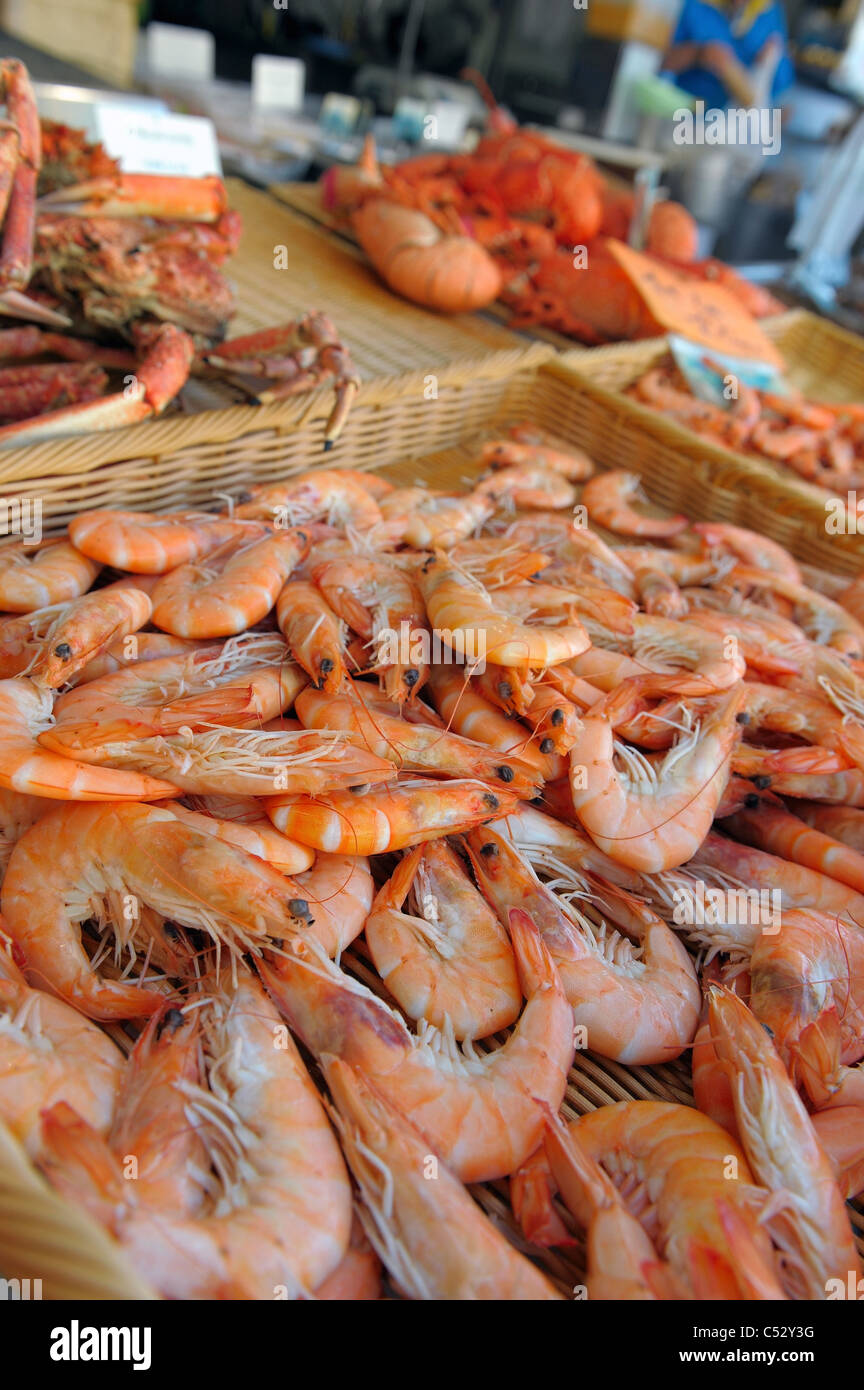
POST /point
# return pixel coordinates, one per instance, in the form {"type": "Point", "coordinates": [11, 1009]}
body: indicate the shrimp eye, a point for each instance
{"type": "Point", "coordinates": [412, 676]}
{"type": "Point", "coordinates": [491, 801]}
{"type": "Point", "coordinates": [299, 907]}
{"type": "Point", "coordinates": [742, 717]}
{"type": "Point", "coordinates": [505, 690]}
{"type": "Point", "coordinates": [243, 497]}
{"type": "Point", "coordinates": [277, 941]}
{"type": "Point", "coordinates": [326, 666]}
{"type": "Point", "coordinates": [761, 782]}
{"type": "Point", "coordinates": [751, 800]}
{"type": "Point", "coordinates": [489, 850]}
{"type": "Point", "coordinates": [63, 650]}
{"type": "Point", "coordinates": [172, 932]}
{"type": "Point", "coordinates": [556, 718]}
{"type": "Point", "coordinates": [172, 1020]}
{"type": "Point", "coordinates": [547, 745]}
{"type": "Point", "coordinates": [505, 773]}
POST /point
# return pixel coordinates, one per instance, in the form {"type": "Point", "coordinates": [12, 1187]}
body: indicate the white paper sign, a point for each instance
{"type": "Point", "coordinates": [150, 142]}
{"type": "Point", "coordinates": [278, 82]}
{"type": "Point", "coordinates": [173, 50]}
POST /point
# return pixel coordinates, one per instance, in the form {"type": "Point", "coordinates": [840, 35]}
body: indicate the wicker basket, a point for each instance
{"type": "Point", "coordinates": [691, 474]}
{"type": "Point", "coordinates": [396, 429]}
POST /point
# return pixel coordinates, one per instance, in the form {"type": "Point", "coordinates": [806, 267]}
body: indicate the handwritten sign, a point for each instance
{"type": "Point", "coordinates": [702, 312]}
{"type": "Point", "coordinates": [153, 142]}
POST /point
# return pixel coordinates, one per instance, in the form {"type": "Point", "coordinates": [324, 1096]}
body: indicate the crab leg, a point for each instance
{"type": "Point", "coordinates": [30, 341]}
{"type": "Point", "coordinates": [16, 252]}
{"type": "Point", "coordinates": [21, 306]}
{"type": "Point", "coordinates": [160, 375]}
{"type": "Point", "coordinates": [29, 391]}
{"type": "Point", "coordinates": [142, 195]}
{"type": "Point", "coordinates": [299, 355]}
{"type": "Point", "coordinates": [9, 146]}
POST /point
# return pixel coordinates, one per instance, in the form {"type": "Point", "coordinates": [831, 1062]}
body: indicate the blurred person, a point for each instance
{"type": "Point", "coordinates": [730, 50]}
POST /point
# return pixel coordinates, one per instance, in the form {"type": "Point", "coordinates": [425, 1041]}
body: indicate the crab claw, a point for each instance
{"type": "Point", "coordinates": [21, 306]}
{"type": "Point", "coordinates": [142, 195]}
{"type": "Point", "coordinates": [162, 372]}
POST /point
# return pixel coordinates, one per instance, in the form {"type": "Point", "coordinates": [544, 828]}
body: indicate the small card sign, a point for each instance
{"type": "Point", "coordinates": [153, 142]}
{"type": "Point", "coordinates": [173, 50]}
{"type": "Point", "coordinates": [704, 313]}
{"type": "Point", "coordinates": [278, 82]}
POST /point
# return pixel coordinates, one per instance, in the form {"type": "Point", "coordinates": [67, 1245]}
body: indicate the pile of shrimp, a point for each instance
{"type": "Point", "coordinates": [821, 442]}
{"type": "Point", "coordinates": [337, 823]}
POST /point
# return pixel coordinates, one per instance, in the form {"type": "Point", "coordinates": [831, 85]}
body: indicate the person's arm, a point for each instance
{"type": "Point", "coordinates": [720, 59]}
{"type": "Point", "coordinates": [682, 56]}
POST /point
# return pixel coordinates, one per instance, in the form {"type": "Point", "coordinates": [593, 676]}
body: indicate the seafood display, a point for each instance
{"type": "Point", "coordinates": [455, 232]}
{"type": "Point", "coordinates": [337, 825]}
{"type": "Point", "coordinates": [129, 269]}
{"type": "Point", "coordinates": [820, 442]}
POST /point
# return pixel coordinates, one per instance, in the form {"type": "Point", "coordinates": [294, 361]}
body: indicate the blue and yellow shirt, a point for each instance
{"type": "Point", "coordinates": [745, 31]}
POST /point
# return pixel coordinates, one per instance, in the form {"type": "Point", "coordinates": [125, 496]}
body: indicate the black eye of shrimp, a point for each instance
{"type": "Point", "coordinates": [63, 651]}
{"type": "Point", "coordinates": [412, 676]}
{"type": "Point", "coordinates": [489, 850]}
{"type": "Point", "coordinates": [326, 666]}
{"type": "Point", "coordinates": [173, 1020]}
{"type": "Point", "coordinates": [556, 718]}
{"type": "Point", "coordinates": [547, 745]}
{"type": "Point", "coordinates": [299, 907]}
{"type": "Point", "coordinates": [505, 773]}
{"type": "Point", "coordinates": [491, 801]}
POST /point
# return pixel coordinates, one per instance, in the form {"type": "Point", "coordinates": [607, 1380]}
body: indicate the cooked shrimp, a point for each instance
{"type": "Point", "coordinates": [18, 812]}
{"type": "Point", "coordinates": [749, 547]}
{"type": "Point", "coordinates": [448, 962]}
{"type": "Point", "coordinates": [807, 987]}
{"type": "Point", "coordinates": [769, 826]}
{"type": "Point", "coordinates": [313, 632]}
{"type": "Point", "coordinates": [432, 1237]}
{"type": "Point", "coordinates": [109, 863]}
{"type": "Point", "coordinates": [527, 485]}
{"type": "Point", "coordinates": [234, 589]}
{"type": "Point", "coordinates": [812, 1228]}
{"type": "Point", "coordinates": [146, 544]}
{"type": "Point", "coordinates": [663, 645]}
{"type": "Point", "coordinates": [465, 616]}
{"type": "Point", "coordinates": [25, 714]}
{"type": "Point", "coordinates": [73, 634]}
{"type": "Point", "coordinates": [52, 574]}
{"type": "Point", "coordinates": [431, 520]}
{"type": "Point", "coordinates": [333, 899]}
{"type": "Point", "coordinates": [844, 823]}
{"type": "Point", "coordinates": [244, 762]}
{"type": "Point", "coordinates": [553, 717]}
{"type": "Point", "coordinates": [479, 1112]}
{"type": "Point", "coordinates": [671, 1166]}
{"type": "Point", "coordinates": [357, 1277]}
{"type": "Point", "coordinates": [822, 619]}
{"type": "Point", "coordinates": [496, 563]}
{"type": "Point", "coordinates": [385, 608]}
{"type": "Point", "coordinates": [504, 687]}
{"type": "Point", "coordinates": [411, 747]}
{"type": "Point", "coordinates": [470, 715]}
{"type": "Point", "coordinates": [841, 1134]}
{"type": "Point", "coordinates": [607, 498]}
{"type": "Point", "coordinates": [776, 710]}
{"type": "Point", "coordinates": [50, 1052]}
{"type": "Point", "coordinates": [638, 1004]}
{"type": "Point", "coordinates": [800, 886]}
{"type": "Point", "coordinates": [574, 546]}
{"type": "Point", "coordinates": [127, 651]}
{"type": "Point", "coordinates": [652, 817]}
{"type": "Point", "coordinates": [255, 834]}
{"type": "Point", "coordinates": [278, 1221]}
{"type": "Point", "coordinates": [386, 818]}
{"type": "Point", "coordinates": [508, 453]}
{"type": "Point", "coordinates": [323, 494]}
{"type": "Point", "coordinates": [246, 680]}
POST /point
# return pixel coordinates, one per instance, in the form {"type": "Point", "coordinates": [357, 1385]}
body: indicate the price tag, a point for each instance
{"type": "Point", "coordinates": [175, 51]}
{"type": "Point", "coordinates": [704, 313]}
{"type": "Point", "coordinates": [709, 374]}
{"type": "Point", "coordinates": [278, 82]}
{"type": "Point", "coordinates": [152, 142]}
